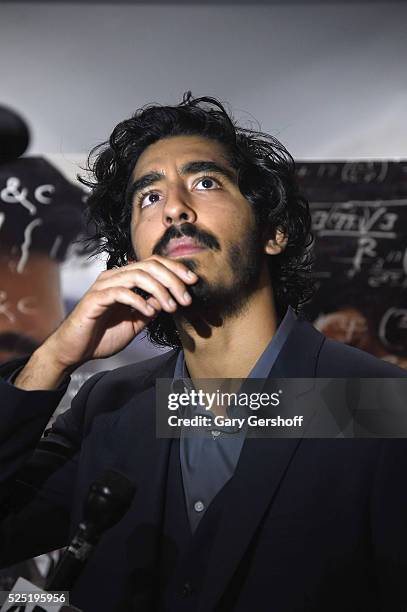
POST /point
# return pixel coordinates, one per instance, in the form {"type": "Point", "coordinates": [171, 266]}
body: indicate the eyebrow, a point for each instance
{"type": "Point", "coordinates": [192, 167]}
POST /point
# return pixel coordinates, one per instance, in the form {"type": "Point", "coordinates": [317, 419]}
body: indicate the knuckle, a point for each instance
{"type": "Point", "coordinates": [139, 301]}
{"type": "Point", "coordinates": [137, 272]}
{"type": "Point", "coordinates": [89, 296]}
{"type": "Point", "coordinates": [154, 264]}
{"type": "Point", "coordinates": [106, 291]}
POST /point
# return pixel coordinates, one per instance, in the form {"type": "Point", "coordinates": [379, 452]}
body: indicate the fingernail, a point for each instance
{"type": "Point", "coordinates": [186, 296]}
{"type": "Point", "coordinates": [150, 308]}
{"type": "Point", "coordinates": [171, 303]}
{"type": "Point", "coordinates": [191, 274]}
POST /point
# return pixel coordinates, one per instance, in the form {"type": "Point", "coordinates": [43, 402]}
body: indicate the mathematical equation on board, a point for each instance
{"type": "Point", "coordinates": [355, 173]}
{"type": "Point", "coordinates": [362, 236]}
{"type": "Point", "coordinates": [15, 194]}
{"type": "Point", "coordinates": [392, 330]}
{"type": "Point", "coordinates": [27, 305]}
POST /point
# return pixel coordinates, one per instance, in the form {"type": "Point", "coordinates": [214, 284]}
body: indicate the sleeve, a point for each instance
{"type": "Point", "coordinates": [37, 470]}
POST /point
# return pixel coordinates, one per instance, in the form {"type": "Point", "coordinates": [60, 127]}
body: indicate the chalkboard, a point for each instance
{"type": "Point", "coordinates": [40, 210]}
{"type": "Point", "coordinates": [359, 220]}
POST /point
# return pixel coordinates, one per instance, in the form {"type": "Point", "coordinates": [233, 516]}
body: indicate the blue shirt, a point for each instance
{"type": "Point", "coordinates": [208, 462]}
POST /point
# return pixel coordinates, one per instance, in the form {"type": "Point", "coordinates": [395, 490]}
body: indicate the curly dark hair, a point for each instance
{"type": "Point", "coordinates": [266, 178]}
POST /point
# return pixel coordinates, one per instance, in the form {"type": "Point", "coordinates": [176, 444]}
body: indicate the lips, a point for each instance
{"type": "Point", "coordinates": [183, 246]}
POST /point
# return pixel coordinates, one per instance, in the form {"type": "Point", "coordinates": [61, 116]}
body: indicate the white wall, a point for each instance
{"type": "Point", "coordinates": [328, 80]}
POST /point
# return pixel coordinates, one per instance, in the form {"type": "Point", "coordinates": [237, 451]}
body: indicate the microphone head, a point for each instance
{"type": "Point", "coordinates": [108, 500]}
{"type": "Point", "coordinates": [14, 135]}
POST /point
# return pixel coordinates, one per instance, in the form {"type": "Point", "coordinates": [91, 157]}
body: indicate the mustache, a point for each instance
{"type": "Point", "coordinates": [203, 238]}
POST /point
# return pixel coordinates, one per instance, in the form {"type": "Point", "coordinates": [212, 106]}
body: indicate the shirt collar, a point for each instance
{"type": "Point", "coordinates": [262, 366]}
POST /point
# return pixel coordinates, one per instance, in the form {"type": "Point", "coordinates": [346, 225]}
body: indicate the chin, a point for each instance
{"type": "Point", "coordinates": [189, 262]}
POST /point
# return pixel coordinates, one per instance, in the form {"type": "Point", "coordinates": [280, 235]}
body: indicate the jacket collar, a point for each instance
{"type": "Point", "coordinates": [262, 465]}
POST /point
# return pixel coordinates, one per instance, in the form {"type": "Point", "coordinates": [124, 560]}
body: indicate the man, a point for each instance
{"type": "Point", "coordinates": [208, 243]}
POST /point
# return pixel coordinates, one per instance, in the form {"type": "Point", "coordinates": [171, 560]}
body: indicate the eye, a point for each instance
{"type": "Point", "coordinates": [208, 183]}
{"type": "Point", "coordinates": [148, 199]}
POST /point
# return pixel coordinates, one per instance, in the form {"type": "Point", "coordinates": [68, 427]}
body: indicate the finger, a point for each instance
{"type": "Point", "coordinates": [177, 267]}
{"type": "Point", "coordinates": [113, 276]}
{"type": "Point", "coordinates": [154, 288]}
{"type": "Point", "coordinates": [170, 280]}
{"type": "Point", "coordinates": [119, 295]}
{"type": "Point", "coordinates": [129, 276]}
{"type": "Point", "coordinates": [141, 279]}
{"type": "Point", "coordinates": [105, 274]}
{"type": "Point", "coordinates": [154, 303]}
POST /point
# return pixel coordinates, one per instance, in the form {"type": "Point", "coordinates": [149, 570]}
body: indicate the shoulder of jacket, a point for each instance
{"type": "Point", "coordinates": [342, 360]}
{"type": "Point", "coordinates": [109, 390]}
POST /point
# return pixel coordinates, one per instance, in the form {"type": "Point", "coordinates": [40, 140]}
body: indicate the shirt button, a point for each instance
{"type": "Point", "coordinates": [187, 589]}
{"type": "Point", "coordinates": [199, 506]}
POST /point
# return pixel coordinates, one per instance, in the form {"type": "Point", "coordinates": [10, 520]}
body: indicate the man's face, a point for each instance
{"type": "Point", "coordinates": [187, 205]}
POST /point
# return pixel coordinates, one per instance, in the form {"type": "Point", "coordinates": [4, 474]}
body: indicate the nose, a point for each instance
{"type": "Point", "coordinates": [177, 208]}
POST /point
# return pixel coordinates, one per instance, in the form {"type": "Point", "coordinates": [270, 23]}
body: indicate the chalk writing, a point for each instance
{"type": "Point", "coordinates": [14, 193]}
{"type": "Point", "coordinates": [43, 193]}
{"type": "Point", "coordinates": [360, 229]}
{"type": "Point", "coordinates": [347, 173]}
{"type": "Point", "coordinates": [11, 194]}
{"type": "Point", "coordinates": [25, 247]}
{"type": "Point", "coordinates": [366, 248]}
{"type": "Point", "coordinates": [337, 221]}
{"type": "Point", "coordinates": [54, 249]}
{"type": "Point", "coordinates": [27, 305]}
{"type": "Point", "coordinates": [359, 221]}
{"type": "Point", "coordinates": [367, 172]}
{"type": "Point", "coordinates": [5, 307]}
{"type": "Point", "coordinates": [329, 170]}
{"type": "Point", "coordinates": [396, 318]}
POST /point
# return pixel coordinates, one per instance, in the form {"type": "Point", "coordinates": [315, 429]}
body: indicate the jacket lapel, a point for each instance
{"type": "Point", "coordinates": [262, 465]}
{"type": "Point", "coordinates": [144, 459]}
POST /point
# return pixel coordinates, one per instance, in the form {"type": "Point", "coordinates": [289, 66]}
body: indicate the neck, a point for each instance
{"type": "Point", "coordinates": [230, 348]}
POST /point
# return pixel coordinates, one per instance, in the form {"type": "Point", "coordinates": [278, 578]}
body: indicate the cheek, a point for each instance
{"type": "Point", "coordinates": [235, 227]}
{"type": "Point", "coordinates": [142, 236]}
{"type": "Point", "coordinates": [136, 239]}
{"type": "Point", "coordinates": [224, 216]}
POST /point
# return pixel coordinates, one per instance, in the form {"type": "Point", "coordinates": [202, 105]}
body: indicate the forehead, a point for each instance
{"type": "Point", "coordinates": [177, 150]}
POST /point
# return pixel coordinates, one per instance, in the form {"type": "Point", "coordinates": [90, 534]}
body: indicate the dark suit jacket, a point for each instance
{"type": "Point", "coordinates": [305, 524]}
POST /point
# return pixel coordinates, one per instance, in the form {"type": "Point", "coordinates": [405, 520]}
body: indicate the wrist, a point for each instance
{"type": "Point", "coordinates": [42, 372]}
{"type": "Point", "coordinates": [47, 358]}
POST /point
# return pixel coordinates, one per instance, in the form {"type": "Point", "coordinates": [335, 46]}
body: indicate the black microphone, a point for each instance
{"type": "Point", "coordinates": [14, 135]}
{"type": "Point", "coordinates": [108, 500]}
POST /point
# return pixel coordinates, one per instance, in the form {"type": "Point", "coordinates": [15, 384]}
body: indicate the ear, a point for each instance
{"type": "Point", "coordinates": [276, 245]}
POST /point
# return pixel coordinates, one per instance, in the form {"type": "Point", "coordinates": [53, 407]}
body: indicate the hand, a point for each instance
{"type": "Point", "coordinates": [110, 315]}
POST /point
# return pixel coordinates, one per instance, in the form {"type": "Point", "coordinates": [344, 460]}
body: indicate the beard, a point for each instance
{"type": "Point", "coordinates": [212, 302]}
{"type": "Point", "coordinates": [227, 300]}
